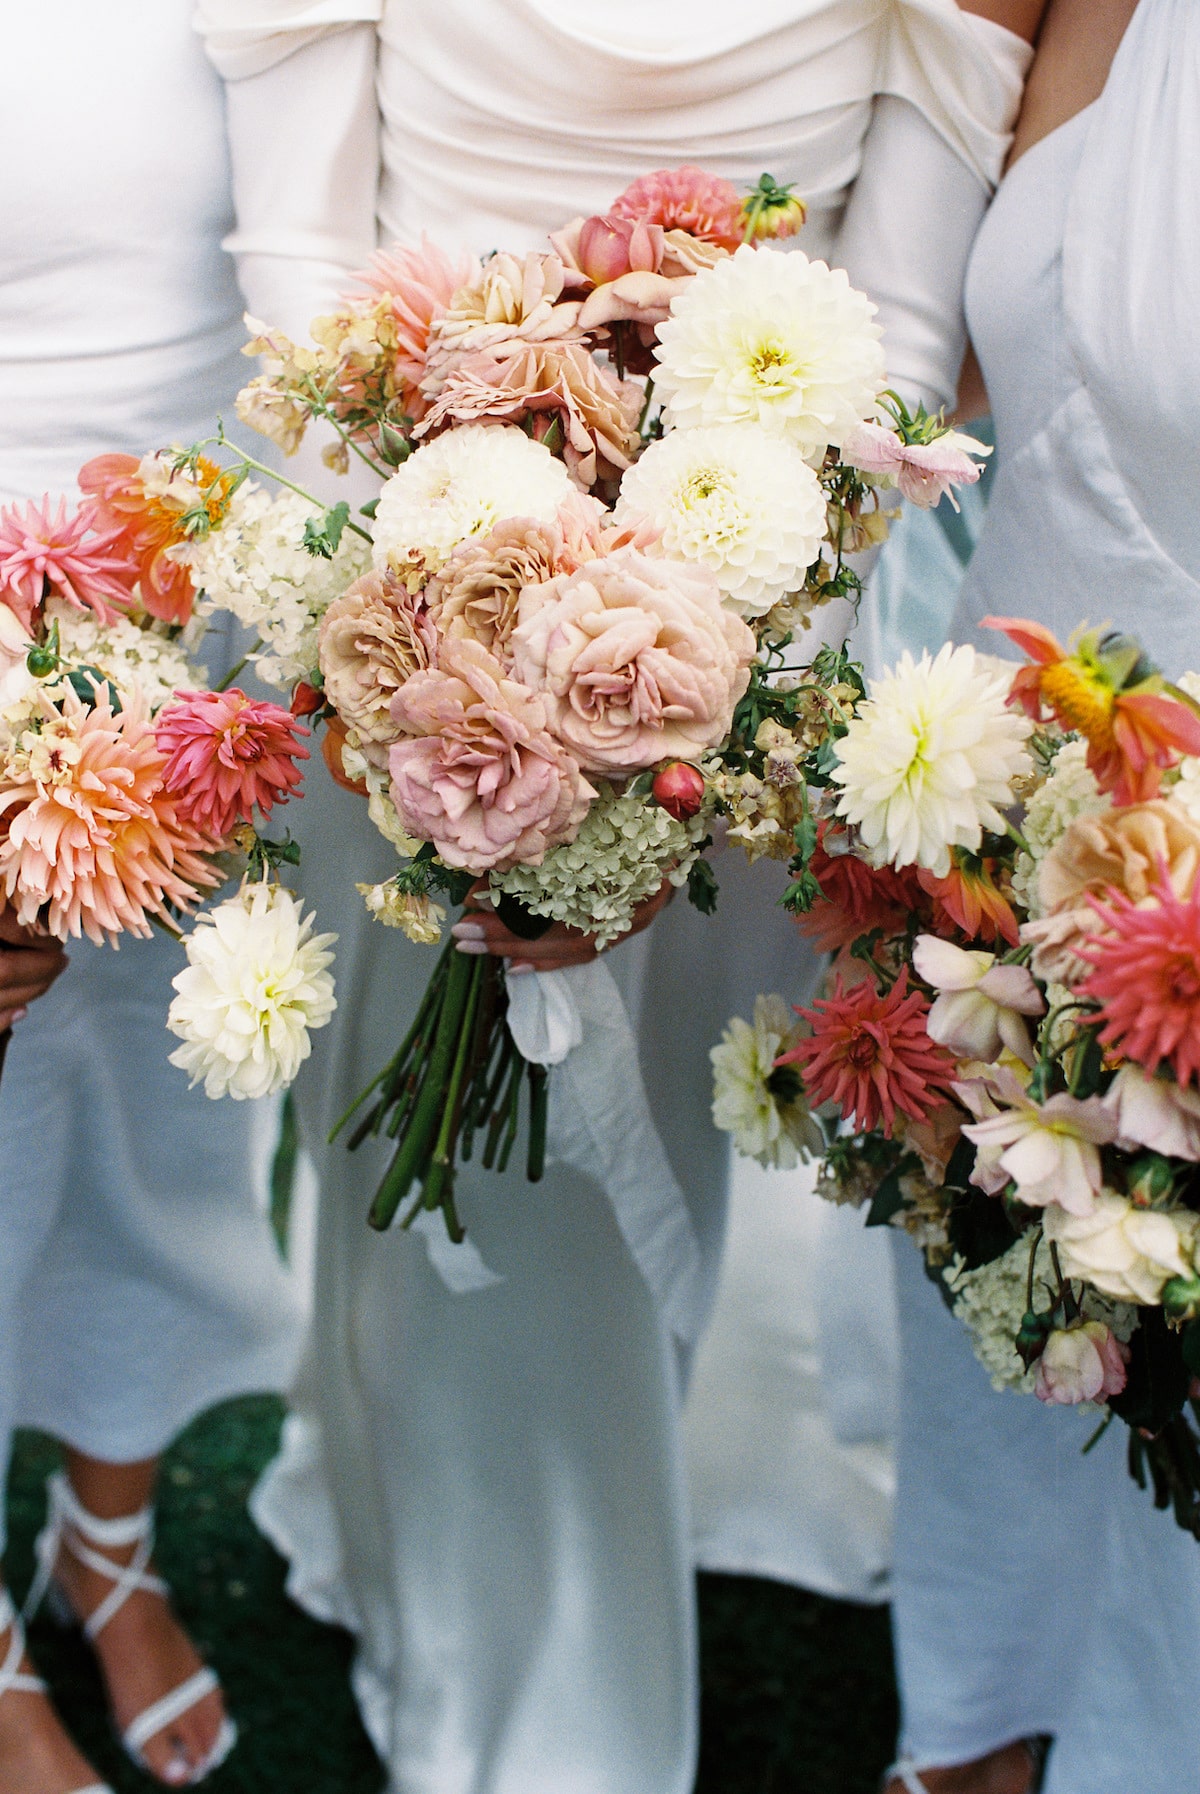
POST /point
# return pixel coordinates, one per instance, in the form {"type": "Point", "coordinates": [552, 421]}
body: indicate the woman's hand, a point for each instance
{"type": "Point", "coordinates": [29, 964]}
{"type": "Point", "coordinates": [481, 931]}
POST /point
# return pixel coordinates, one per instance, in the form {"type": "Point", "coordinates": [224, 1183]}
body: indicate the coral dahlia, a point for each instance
{"type": "Point", "coordinates": [151, 507]}
{"type": "Point", "coordinates": [228, 755]}
{"type": "Point", "coordinates": [1146, 977]}
{"type": "Point", "coordinates": [871, 1055]}
{"type": "Point", "coordinates": [687, 199]}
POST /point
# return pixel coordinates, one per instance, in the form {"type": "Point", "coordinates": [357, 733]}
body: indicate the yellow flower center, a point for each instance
{"type": "Point", "coordinates": [1081, 699]}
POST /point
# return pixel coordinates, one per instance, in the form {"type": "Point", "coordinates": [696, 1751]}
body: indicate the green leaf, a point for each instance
{"type": "Point", "coordinates": [702, 887]}
{"type": "Point", "coordinates": [322, 540]}
{"type": "Point", "coordinates": [887, 1201]}
{"type": "Point", "coordinates": [369, 509]}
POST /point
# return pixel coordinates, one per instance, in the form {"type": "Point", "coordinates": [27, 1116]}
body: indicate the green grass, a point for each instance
{"type": "Point", "coordinates": [797, 1691]}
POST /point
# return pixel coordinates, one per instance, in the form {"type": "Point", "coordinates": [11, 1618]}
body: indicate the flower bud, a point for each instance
{"type": "Point", "coordinates": [1083, 1363]}
{"type": "Point", "coordinates": [611, 247]}
{"type": "Point", "coordinates": [1181, 1299]}
{"type": "Point", "coordinates": [306, 699]}
{"type": "Point", "coordinates": [679, 788]}
{"type": "Point", "coordinates": [1151, 1178]}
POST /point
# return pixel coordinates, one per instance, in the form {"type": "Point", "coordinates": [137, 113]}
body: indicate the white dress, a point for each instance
{"type": "Point", "coordinates": [139, 1281]}
{"type": "Point", "coordinates": [1037, 1590]}
{"type": "Point", "coordinates": [489, 1486]}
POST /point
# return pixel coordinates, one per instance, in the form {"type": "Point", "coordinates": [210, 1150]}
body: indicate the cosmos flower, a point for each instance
{"type": "Point", "coordinates": [149, 506]}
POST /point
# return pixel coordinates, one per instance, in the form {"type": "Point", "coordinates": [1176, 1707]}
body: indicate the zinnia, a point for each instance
{"type": "Point", "coordinates": [46, 550]}
{"type": "Point", "coordinates": [638, 658]}
{"type": "Point", "coordinates": [228, 755]}
{"type": "Point", "coordinates": [91, 841]}
{"type": "Point", "coordinates": [1146, 977]}
{"type": "Point", "coordinates": [256, 984]}
{"type": "Point", "coordinates": [872, 1056]}
{"type": "Point", "coordinates": [485, 781]}
{"type": "Point", "coordinates": [929, 760]}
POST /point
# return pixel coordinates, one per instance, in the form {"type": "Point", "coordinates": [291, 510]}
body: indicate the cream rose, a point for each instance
{"type": "Point", "coordinates": [373, 639]}
{"type": "Point", "coordinates": [637, 657]}
{"type": "Point", "coordinates": [484, 781]}
{"type": "Point", "coordinates": [1124, 1251]}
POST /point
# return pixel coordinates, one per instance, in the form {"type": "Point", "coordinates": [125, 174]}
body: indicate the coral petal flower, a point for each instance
{"type": "Point", "coordinates": [145, 508]}
{"type": "Point", "coordinates": [1146, 977]}
{"type": "Point", "coordinates": [227, 755]}
{"type": "Point", "coordinates": [45, 549]}
{"type": "Point", "coordinates": [872, 1056]}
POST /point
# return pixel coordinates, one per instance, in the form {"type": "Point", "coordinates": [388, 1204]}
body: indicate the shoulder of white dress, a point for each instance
{"type": "Point", "coordinates": [965, 73]}
{"type": "Point", "coordinates": [244, 37]}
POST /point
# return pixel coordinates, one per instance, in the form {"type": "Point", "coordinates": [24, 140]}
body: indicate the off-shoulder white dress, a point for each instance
{"type": "Point", "coordinates": [1038, 1590]}
{"type": "Point", "coordinates": [139, 1280]}
{"type": "Point", "coordinates": [504, 1465]}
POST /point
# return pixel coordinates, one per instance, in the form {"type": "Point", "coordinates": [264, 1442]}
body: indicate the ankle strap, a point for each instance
{"type": "Point", "coordinates": [69, 1526]}
{"type": "Point", "coordinates": [906, 1771]}
{"type": "Point", "coordinates": [11, 1679]}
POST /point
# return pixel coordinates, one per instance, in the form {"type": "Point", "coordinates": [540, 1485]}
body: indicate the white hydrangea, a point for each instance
{"type": "Point", "coordinates": [1068, 791]}
{"type": "Point", "coordinates": [458, 486]}
{"type": "Point", "coordinates": [990, 1302]}
{"type": "Point", "coordinates": [256, 565]}
{"type": "Point", "coordinates": [775, 340]}
{"type": "Point", "coordinates": [742, 503]}
{"type": "Point", "coordinates": [773, 1126]}
{"type": "Point", "coordinates": [126, 653]}
{"type": "Point", "coordinates": [931, 757]}
{"type": "Point", "coordinates": [255, 985]}
{"type": "Point", "coordinates": [625, 847]}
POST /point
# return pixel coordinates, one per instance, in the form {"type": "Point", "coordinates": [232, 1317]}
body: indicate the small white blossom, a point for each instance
{"type": "Point", "coordinates": [127, 654]}
{"type": "Point", "coordinates": [255, 985]}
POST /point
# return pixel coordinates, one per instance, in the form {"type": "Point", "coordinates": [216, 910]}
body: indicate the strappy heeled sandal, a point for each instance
{"type": "Point", "coordinates": [909, 1776]}
{"type": "Point", "coordinates": [15, 1681]}
{"type": "Point", "coordinates": [69, 1526]}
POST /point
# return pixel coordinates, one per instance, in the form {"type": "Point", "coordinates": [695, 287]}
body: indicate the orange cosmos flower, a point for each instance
{"type": "Point", "coordinates": [151, 508]}
{"type": "Point", "coordinates": [1108, 692]}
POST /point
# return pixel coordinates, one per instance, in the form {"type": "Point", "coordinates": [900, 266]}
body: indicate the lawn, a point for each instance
{"type": "Point", "coordinates": [797, 1691]}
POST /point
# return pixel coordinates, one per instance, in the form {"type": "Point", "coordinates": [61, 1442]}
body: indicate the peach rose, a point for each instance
{"type": "Point", "coordinates": [1111, 850]}
{"type": "Point", "coordinates": [373, 638]}
{"type": "Point", "coordinates": [484, 780]}
{"type": "Point", "coordinates": [638, 658]}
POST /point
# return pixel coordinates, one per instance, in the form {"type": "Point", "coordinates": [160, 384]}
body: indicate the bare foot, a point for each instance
{"type": "Point", "coordinates": [36, 1755]}
{"type": "Point", "coordinates": [144, 1653]}
{"type": "Point", "coordinates": [1006, 1771]}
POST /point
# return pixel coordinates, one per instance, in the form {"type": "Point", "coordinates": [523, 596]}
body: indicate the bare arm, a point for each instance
{"type": "Point", "coordinates": [1021, 16]}
{"type": "Point", "coordinates": [1078, 41]}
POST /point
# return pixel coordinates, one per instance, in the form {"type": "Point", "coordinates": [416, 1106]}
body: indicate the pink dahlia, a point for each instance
{"type": "Point", "coordinates": [685, 199]}
{"type": "Point", "coordinates": [418, 284]}
{"type": "Point", "coordinates": [44, 550]}
{"type": "Point", "coordinates": [228, 755]}
{"type": "Point", "coordinates": [871, 1055]}
{"type": "Point", "coordinates": [91, 842]}
{"type": "Point", "coordinates": [1146, 977]}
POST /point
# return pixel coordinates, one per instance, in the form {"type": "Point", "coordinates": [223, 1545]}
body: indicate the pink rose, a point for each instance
{"type": "Point", "coordinates": [924, 472]}
{"type": "Point", "coordinates": [637, 657]}
{"type": "Point", "coordinates": [484, 780]}
{"type": "Point", "coordinates": [1085, 1363]}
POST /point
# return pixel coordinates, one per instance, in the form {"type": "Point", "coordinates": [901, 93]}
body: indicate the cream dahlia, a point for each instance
{"type": "Point", "coordinates": [736, 500]}
{"type": "Point", "coordinates": [764, 1109]}
{"type": "Point", "coordinates": [771, 339]}
{"type": "Point", "coordinates": [256, 984]}
{"type": "Point", "coordinates": [459, 486]}
{"type": "Point", "coordinates": [930, 759]}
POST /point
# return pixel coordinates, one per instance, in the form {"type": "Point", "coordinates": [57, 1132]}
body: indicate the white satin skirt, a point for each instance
{"type": "Point", "coordinates": [139, 1278]}
{"type": "Point", "coordinates": [1036, 1590]}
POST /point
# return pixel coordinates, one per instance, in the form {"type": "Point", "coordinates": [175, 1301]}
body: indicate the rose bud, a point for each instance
{"type": "Point", "coordinates": [306, 698]}
{"type": "Point", "coordinates": [679, 788]}
{"type": "Point", "coordinates": [611, 247]}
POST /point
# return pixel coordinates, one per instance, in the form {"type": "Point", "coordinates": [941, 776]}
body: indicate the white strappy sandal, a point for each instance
{"type": "Point", "coordinates": [70, 1526]}
{"type": "Point", "coordinates": [905, 1771]}
{"type": "Point", "coordinates": [13, 1681]}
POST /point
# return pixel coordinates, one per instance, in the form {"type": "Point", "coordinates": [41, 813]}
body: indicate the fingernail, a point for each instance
{"type": "Point", "coordinates": [470, 946]}
{"type": "Point", "coordinates": [517, 966]}
{"type": "Point", "coordinates": [469, 931]}
{"type": "Point", "coordinates": [18, 1016]}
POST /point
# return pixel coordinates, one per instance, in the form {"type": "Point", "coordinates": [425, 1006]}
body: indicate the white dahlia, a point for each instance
{"type": "Point", "coordinates": [256, 983]}
{"type": "Point", "coordinates": [742, 503]}
{"type": "Point", "coordinates": [771, 339]}
{"type": "Point", "coordinates": [930, 759]}
{"type": "Point", "coordinates": [764, 1111]}
{"type": "Point", "coordinates": [458, 486]}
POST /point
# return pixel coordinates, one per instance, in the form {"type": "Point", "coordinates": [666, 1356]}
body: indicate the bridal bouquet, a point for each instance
{"type": "Point", "coordinates": [1005, 863]}
{"type": "Point", "coordinates": [128, 788]}
{"type": "Point", "coordinates": [619, 474]}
